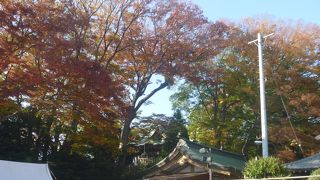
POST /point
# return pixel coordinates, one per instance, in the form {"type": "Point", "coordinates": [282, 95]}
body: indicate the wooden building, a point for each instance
{"type": "Point", "coordinates": [190, 160]}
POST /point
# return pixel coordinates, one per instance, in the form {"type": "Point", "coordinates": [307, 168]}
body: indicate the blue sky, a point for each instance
{"type": "Point", "coordinates": [307, 11]}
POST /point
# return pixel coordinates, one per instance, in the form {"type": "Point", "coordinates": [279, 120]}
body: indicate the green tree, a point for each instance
{"type": "Point", "coordinates": [221, 95]}
{"type": "Point", "coordinates": [221, 104]}
{"type": "Point", "coordinates": [176, 129]}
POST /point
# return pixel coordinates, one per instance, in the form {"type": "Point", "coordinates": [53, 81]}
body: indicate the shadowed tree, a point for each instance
{"type": "Point", "coordinates": [176, 129]}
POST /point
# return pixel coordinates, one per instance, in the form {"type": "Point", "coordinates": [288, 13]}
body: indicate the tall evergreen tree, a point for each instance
{"type": "Point", "coordinates": [176, 130]}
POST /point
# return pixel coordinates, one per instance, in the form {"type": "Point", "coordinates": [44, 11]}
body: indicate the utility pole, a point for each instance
{"type": "Point", "coordinates": [264, 129]}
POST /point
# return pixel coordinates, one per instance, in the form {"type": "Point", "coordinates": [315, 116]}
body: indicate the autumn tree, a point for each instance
{"type": "Point", "coordinates": [292, 72]}
{"type": "Point", "coordinates": [73, 62]}
{"type": "Point", "coordinates": [166, 42]}
{"type": "Point", "coordinates": [224, 98]}
{"type": "Point", "coordinates": [45, 65]}
{"type": "Point", "coordinates": [84, 67]}
{"type": "Point", "coordinates": [53, 86]}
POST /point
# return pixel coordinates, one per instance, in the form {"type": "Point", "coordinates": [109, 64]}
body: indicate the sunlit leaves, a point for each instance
{"type": "Point", "coordinates": [222, 95]}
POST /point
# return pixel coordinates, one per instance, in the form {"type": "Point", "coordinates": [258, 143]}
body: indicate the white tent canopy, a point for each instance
{"type": "Point", "coordinates": [26, 171]}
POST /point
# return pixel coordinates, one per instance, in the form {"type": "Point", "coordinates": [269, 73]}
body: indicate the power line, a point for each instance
{"type": "Point", "coordinates": [289, 118]}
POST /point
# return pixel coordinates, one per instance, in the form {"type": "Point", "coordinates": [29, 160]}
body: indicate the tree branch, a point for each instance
{"type": "Point", "coordinates": [143, 100]}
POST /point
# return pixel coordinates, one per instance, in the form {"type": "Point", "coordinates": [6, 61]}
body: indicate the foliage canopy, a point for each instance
{"type": "Point", "coordinates": [74, 75]}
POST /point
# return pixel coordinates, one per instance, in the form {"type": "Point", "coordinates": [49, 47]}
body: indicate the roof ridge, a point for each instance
{"type": "Point", "coordinates": [304, 159]}
{"type": "Point", "coordinates": [214, 148]}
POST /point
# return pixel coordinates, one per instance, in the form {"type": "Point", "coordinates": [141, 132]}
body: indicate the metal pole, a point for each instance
{"type": "Point", "coordinates": [210, 174]}
{"type": "Point", "coordinates": [264, 131]}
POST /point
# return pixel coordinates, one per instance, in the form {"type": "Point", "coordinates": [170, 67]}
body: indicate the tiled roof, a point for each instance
{"type": "Point", "coordinates": [308, 163]}
{"type": "Point", "coordinates": [218, 157]}
{"type": "Point", "coordinates": [204, 157]}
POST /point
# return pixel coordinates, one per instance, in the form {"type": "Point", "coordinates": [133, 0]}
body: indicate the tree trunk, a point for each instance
{"type": "Point", "coordinates": [29, 137]}
{"type": "Point", "coordinates": [125, 137]}
{"type": "Point", "coordinates": [132, 114]}
{"type": "Point", "coordinates": [47, 140]}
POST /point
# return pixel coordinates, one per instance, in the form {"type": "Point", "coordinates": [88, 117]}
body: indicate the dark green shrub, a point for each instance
{"type": "Point", "coordinates": [265, 167]}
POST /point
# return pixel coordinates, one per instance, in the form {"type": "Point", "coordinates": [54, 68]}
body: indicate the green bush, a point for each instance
{"type": "Point", "coordinates": [315, 172]}
{"type": "Point", "coordinates": [269, 167]}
